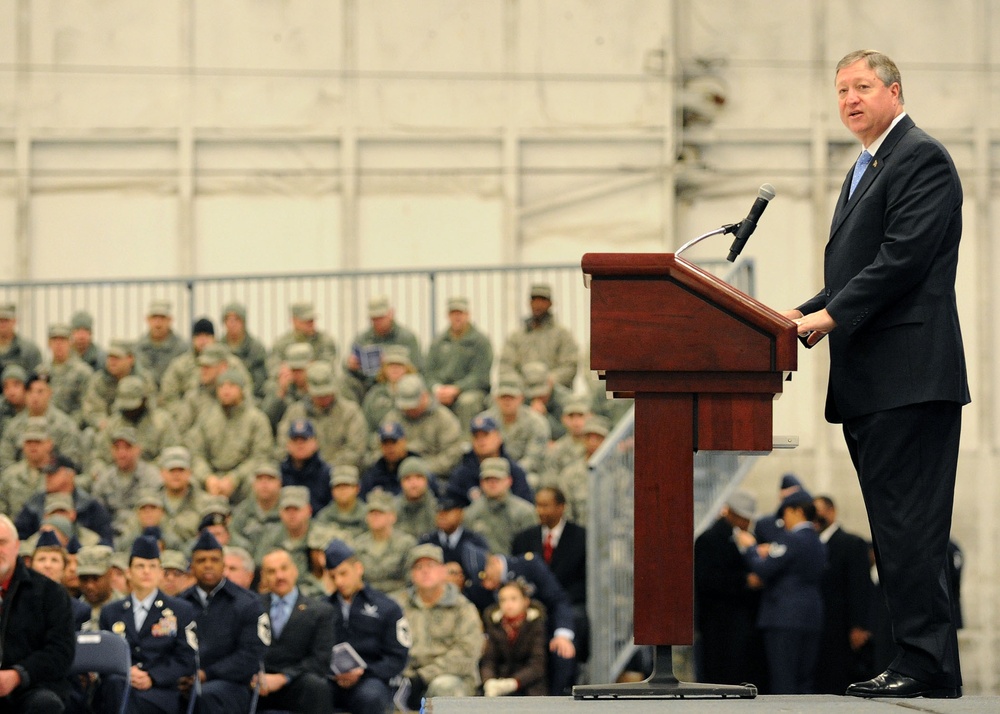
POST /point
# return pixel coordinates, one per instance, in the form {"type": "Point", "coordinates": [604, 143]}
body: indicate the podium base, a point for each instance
{"type": "Point", "coordinates": [663, 684]}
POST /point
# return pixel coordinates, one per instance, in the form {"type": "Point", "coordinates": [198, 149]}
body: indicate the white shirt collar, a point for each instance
{"type": "Point", "coordinates": [828, 533]}
{"type": "Point", "coordinates": [874, 146]}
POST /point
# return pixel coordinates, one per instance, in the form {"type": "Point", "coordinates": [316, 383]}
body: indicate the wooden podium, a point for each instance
{"type": "Point", "coordinates": [704, 362]}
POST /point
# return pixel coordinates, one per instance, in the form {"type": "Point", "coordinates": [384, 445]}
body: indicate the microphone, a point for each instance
{"type": "Point", "coordinates": [749, 224]}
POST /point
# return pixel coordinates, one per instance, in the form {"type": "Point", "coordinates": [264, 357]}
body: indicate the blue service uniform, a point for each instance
{"type": "Point", "coordinates": [161, 648]}
{"type": "Point", "coordinates": [233, 632]}
{"type": "Point", "coordinates": [791, 606]}
{"type": "Point", "coordinates": [376, 628]}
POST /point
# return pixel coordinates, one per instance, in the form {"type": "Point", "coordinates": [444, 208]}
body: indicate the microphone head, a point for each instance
{"type": "Point", "coordinates": [766, 191]}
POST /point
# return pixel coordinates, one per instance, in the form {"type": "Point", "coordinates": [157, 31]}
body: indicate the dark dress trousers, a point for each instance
{"type": "Point", "coordinates": [160, 648]}
{"type": "Point", "coordinates": [302, 653]}
{"type": "Point", "coordinates": [898, 379]}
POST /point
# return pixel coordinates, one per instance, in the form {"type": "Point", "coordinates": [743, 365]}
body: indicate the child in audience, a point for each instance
{"type": "Point", "coordinates": [515, 656]}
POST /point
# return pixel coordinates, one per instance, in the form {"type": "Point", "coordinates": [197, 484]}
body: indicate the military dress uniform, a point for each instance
{"type": "Point", "coordinates": [374, 625]}
{"type": "Point", "coordinates": [233, 634]}
{"type": "Point", "coordinates": [163, 647]}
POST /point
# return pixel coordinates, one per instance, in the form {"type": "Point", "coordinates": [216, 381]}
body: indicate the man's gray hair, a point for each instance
{"type": "Point", "coordinates": [885, 68]}
{"type": "Point", "coordinates": [246, 560]}
{"type": "Point", "coordinates": [5, 520]}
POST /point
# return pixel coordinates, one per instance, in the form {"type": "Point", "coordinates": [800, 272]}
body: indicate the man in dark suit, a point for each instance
{"type": "Point", "coordinates": [563, 547]}
{"type": "Point", "coordinates": [451, 535]}
{"type": "Point", "coordinates": [847, 604]}
{"type": "Point", "coordinates": [233, 631]}
{"type": "Point", "coordinates": [897, 365]}
{"type": "Point", "coordinates": [302, 636]}
{"type": "Point", "coordinates": [726, 598]}
{"type": "Point", "coordinates": [160, 632]}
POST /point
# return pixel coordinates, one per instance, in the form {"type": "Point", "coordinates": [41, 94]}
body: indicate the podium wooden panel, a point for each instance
{"type": "Point", "coordinates": [704, 362]}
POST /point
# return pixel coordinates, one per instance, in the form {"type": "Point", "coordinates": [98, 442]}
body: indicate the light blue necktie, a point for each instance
{"type": "Point", "coordinates": [859, 170]}
{"type": "Point", "coordinates": [279, 616]}
{"type": "Point", "coordinates": [140, 616]}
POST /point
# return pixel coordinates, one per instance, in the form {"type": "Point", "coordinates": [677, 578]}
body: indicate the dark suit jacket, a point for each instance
{"type": "Point", "coordinates": [305, 642]}
{"type": "Point", "coordinates": [890, 270]}
{"type": "Point", "coordinates": [569, 558]}
{"type": "Point", "coordinates": [160, 648]}
{"type": "Point", "coordinates": [467, 539]}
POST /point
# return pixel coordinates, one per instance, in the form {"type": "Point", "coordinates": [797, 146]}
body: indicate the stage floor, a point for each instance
{"type": "Point", "coordinates": [760, 705]}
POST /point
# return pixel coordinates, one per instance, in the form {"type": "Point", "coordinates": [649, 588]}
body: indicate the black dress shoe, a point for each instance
{"type": "Point", "coordinates": [895, 685]}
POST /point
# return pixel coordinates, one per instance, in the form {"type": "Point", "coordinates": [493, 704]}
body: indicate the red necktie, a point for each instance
{"type": "Point", "coordinates": [547, 549]}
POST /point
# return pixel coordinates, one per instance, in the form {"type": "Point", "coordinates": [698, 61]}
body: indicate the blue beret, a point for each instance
{"type": "Point", "coordinates": [206, 541]}
{"type": "Point", "coordinates": [337, 552]}
{"type": "Point", "coordinates": [790, 481]}
{"type": "Point", "coordinates": [145, 547]}
{"type": "Point", "coordinates": [47, 539]}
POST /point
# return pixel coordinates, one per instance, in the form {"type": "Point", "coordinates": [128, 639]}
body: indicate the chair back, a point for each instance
{"type": "Point", "coordinates": [102, 652]}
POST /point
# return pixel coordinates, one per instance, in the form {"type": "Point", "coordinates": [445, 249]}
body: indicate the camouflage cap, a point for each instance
{"type": "Point", "coordinates": [304, 311]}
{"type": "Point", "coordinates": [510, 385]}
{"type": "Point", "coordinates": [59, 329]}
{"type": "Point", "coordinates": [60, 523]}
{"type": "Point", "coordinates": [541, 290]}
{"type": "Point", "coordinates": [344, 474]}
{"type": "Point", "coordinates": [14, 371]}
{"type": "Point", "coordinates": [174, 560]}
{"type": "Point", "coordinates": [130, 393]}
{"type": "Point", "coordinates": [37, 429]}
{"type": "Point", "coordinates": [412, 465]}
{"type": "Point", "coordinates": [319, 536]}
{"type": "Point", "coordinates": [458, 303]}
{"type": "Point", "coordinates": [396, 354]}
{"type": "Point", "coordinates": [494, 467]}
{"type": "Point", "coordinates": [424, 550]}
{"type": "Point", "coordinates": [8, 311]}
{"type": "Point", "coordinates": [321, 380]}
{"type": "Point", "coordinates": [175, 457]}
{"type": "Point", "coordinates": [212, 355]}
{"type": "Point", "coordinates": [161, 308]}
{"type": "Point", "coordinates": [298, 355]}
{"type": "Point", "coordinates": [596, 424]}
{"type": "Point", "coordinates": [81, 320]}
{"type": "Point", "coordinates": [267, 468]}
{"type": "Point", "coordinates": [120, 561]}
{"type": "Point", "coordinates": [218, 505]}
{"type": "Point", "coordinates": [380, 500]}
{"type": "Point", "coordinates": [576, 405]}
{"type": "Point", "coordinates": [409, 391]}
{"type": "Point", "coordinates": [93, 560]}
{"type": "Point", "coordinates": [121, 348]}
{"type": "Point", "coordinates": [125, 433]}
{"type": "Point", "coordinates": [58, 502]}
{"type": "Point", "coordinates": [379, 306]}
{"type": "Point", "coordinates": [149, 498]}
{"type": "Point", "coordinates": [232, 376]}
{"type": "Point", "coordinates": [293, 497]}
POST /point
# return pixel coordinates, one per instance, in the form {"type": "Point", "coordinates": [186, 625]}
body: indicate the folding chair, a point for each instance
{"type": "Point", "coordinates": [104, 653]}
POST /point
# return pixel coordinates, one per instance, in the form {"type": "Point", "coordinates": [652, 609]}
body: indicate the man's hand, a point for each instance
{"type": "Point", "coordinates": [446, 394]}
{"type": "Point", "coordinates": [140, 679]}
{"type": "Point", "coordinates": [216, 485]}
{"type": "Point", "coordinates": [562, 647]}
{"type": "Point", "coordinates": [349, 679]}
{"type": "Point", "coordinates": [9, 681]}
{"type": "Point", "coordinates": [754, 582]}
{"type": "Point", "coordinates": [270, 683]}
{"type": "Point", "coordinates": [744, 539]}
{"type": "Point", "coordinates": [816, 324]}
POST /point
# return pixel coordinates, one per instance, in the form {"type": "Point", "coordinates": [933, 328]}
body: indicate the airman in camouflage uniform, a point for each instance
{"type": "Point", "coordinates": [119, 485]}
{"type": "Point", "coordinates": [385, 331]}
{"type": "Point", "coordinates": [544, 397]}
{"type": "Point", "coordinates": [346, 510]}
{"type": "Point", "coordinates": [568, 449]}
{"type": "Point", "coordinates": [61, 428]}
{"type": "Point", "coordinates": [417, 504]}
{"type": "Point", "coordinates": [243, 345]}
{"type": "Point", "coordinates": [68, 374]}
{"type": "Point", "coordinates": [381, 398]}
{"type": "Point", "coordinates": [12, 402]}
{"type": "Point", "coordinates": [446, 629]}
{"type": "Point", "coordinates": [542, 339]}
{"type": "Point", "coordinates": [459, 363]}
{"type": "Point", "coordinates": [181, 375]}
{"type": "Point", "coordinates": [81, 326]}
{"type": "Point", "coordinates": [15, 349]}
{"type": "Point", "coordinates": [103, 386]}
{"type": "Point", "coordinates": [289, 385]}
{"type": "Point", "coordinates": [498, 515]}
{"type": "Point", "coordinates": [255, 514]}
{"type": "Point", "coordinates": [25, 478]}
{"type": "Point", "coordinates": [340, 425]}
{"type": "Point", "coordinates": [525, 432]}
{"type": "Point", "coordinates": [431, 430]}
{"type": "Point", "coordinates": [228, 440]}
{"type": "Point", "coordinates": [382, 549]}
{"type": "Point", "coordinates": [574, 479]}
{"type": "Point", "coordinates": [181, 501]}
{"type": "Point", "coordinates": [303, 330]}
{"type": "Point", "coordinates": [154, 427]}
{"type": "Point", "coordinates": [156, 348]}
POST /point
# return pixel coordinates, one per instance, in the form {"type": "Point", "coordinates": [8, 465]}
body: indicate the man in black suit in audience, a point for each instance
{"type": "Point", "coordinates": [563, 546]}
{"type": "Point", "coordinates": [847, 604]}
{"type": "Point", "coordinates": [451, 535]}
{"type": "Point", "coordinates": [302, 635]}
